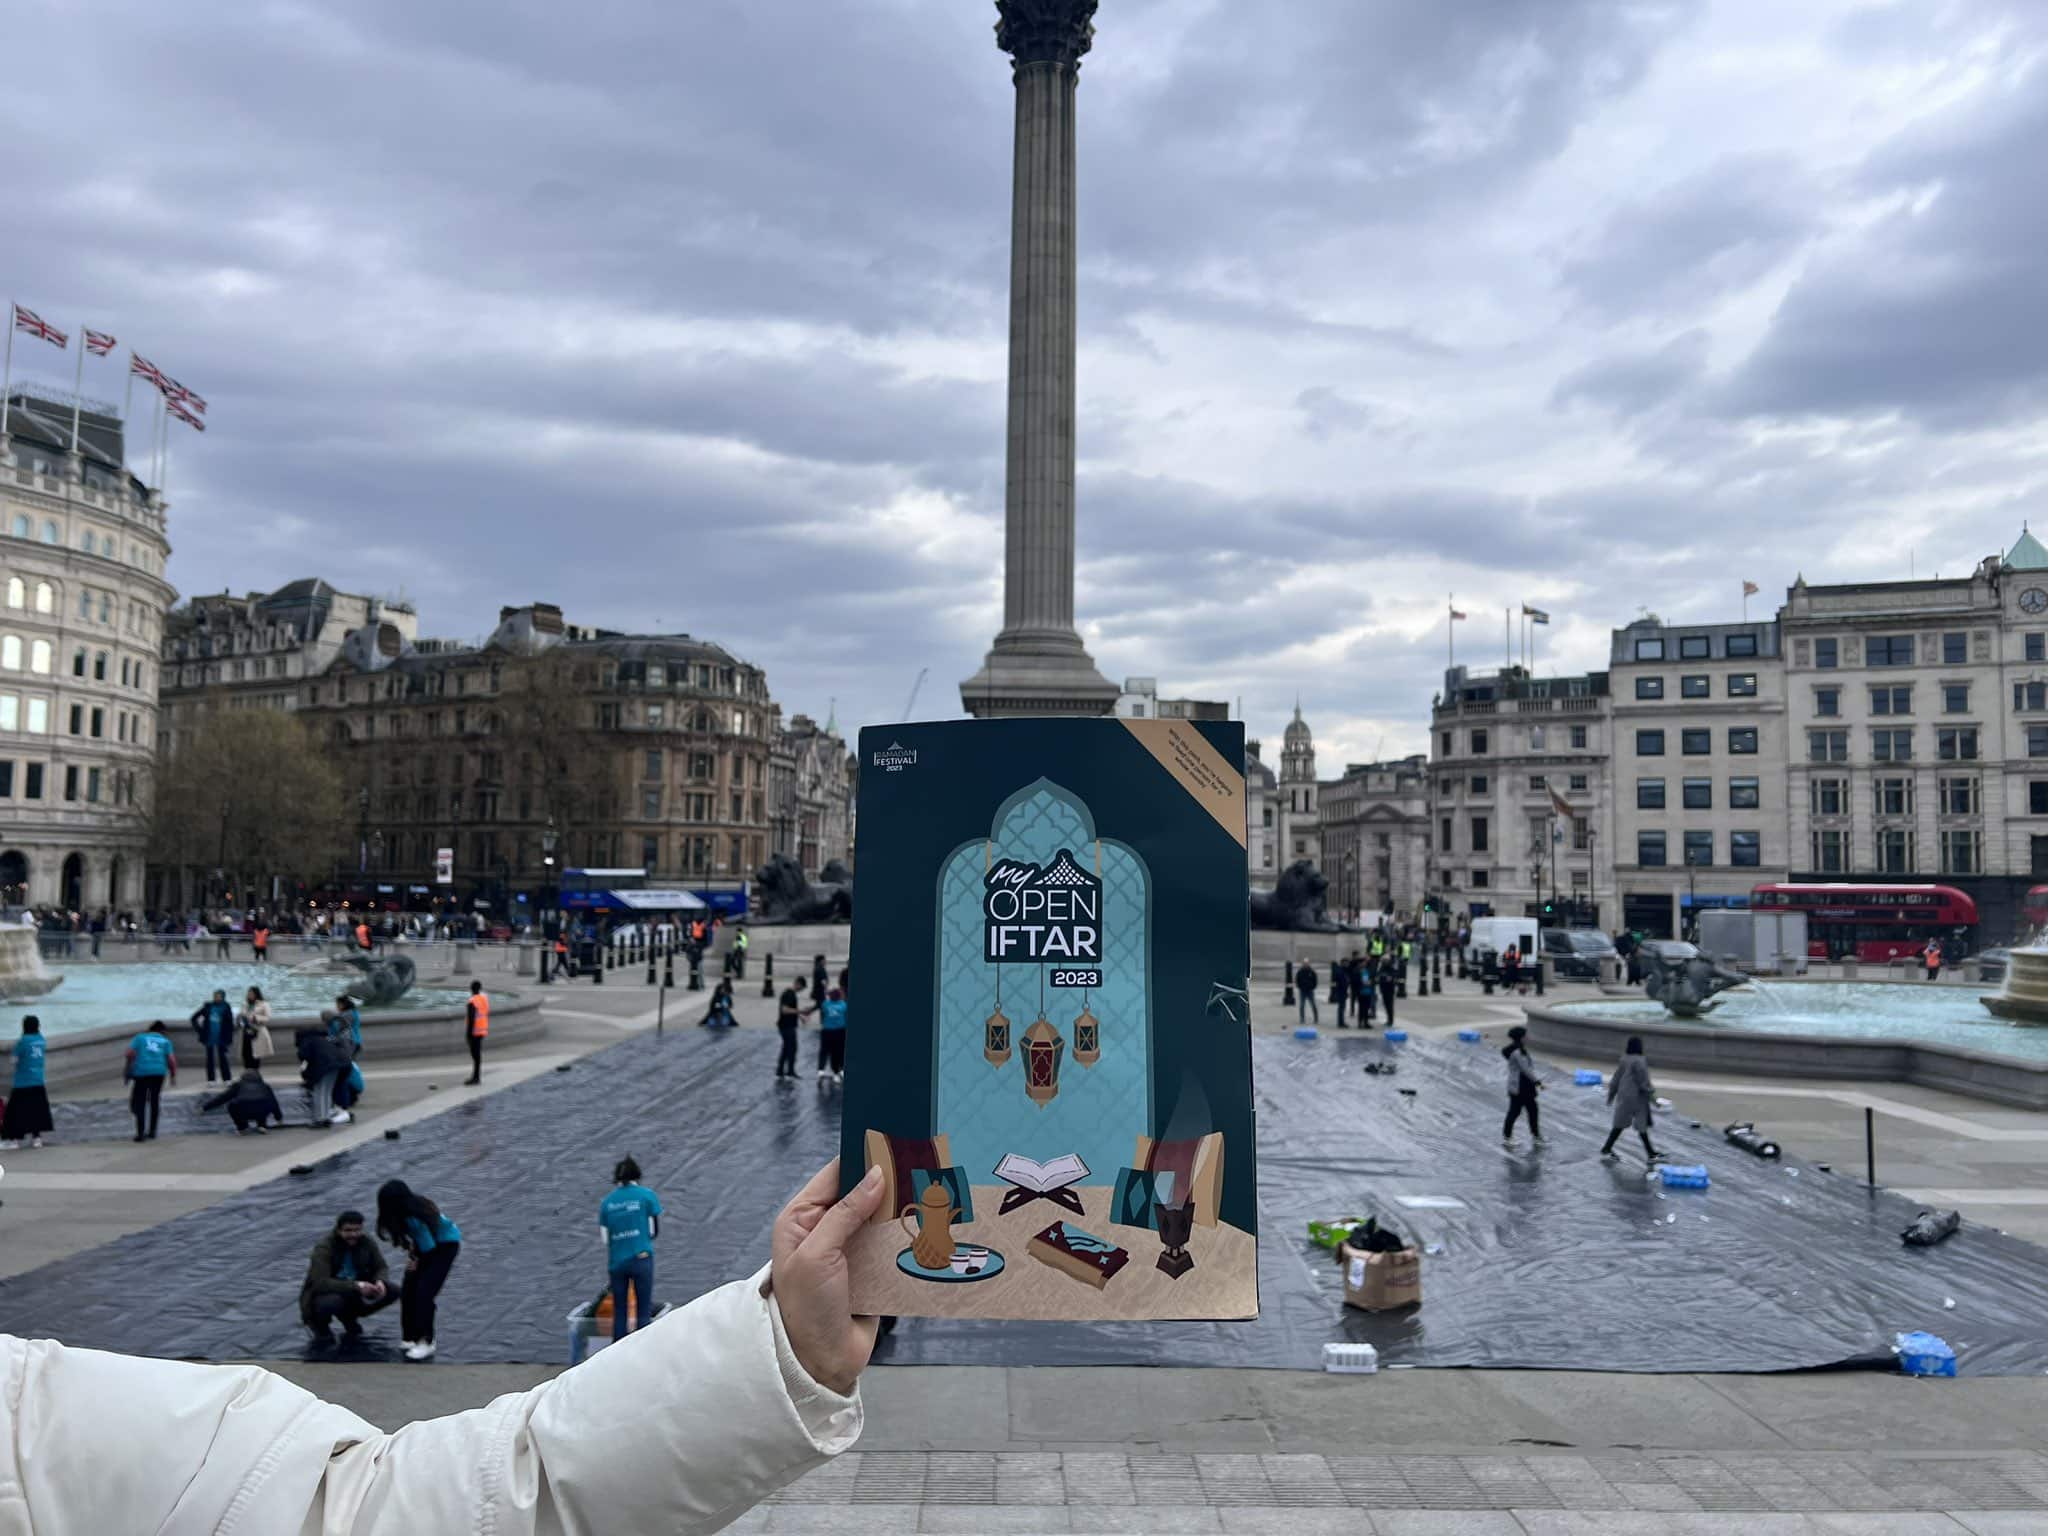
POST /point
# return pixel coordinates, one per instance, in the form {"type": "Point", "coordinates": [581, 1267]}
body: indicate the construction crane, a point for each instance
{"type": "Point", "coordinates": [914, 688]}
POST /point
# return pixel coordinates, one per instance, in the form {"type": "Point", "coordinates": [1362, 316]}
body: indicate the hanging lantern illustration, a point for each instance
{"type": "Point", "coordinates": [1087, 1037]}
{"type": "Point", "coordinates": [995, 1038]}
{"type": "Point", "coordinates": [1043, 1047]}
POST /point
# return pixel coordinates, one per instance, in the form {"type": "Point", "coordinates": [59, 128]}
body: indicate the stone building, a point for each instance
{"type": "Point", "coordinates": [255, 651]}
{"type": "Point", "coordinates": [811, 783]}
{"type": "Point", "coordinates": [1918, 715]}
{"type": "Point", "coordinates": [619, 751]}
{"type": "Point", "coordinates": [1262, 833]}
{"type": "Point", "coordinates": [1500, 743]}
{"type": "Point", "coordinates": [1699, 732]}
{"type": "Point", "coordinates": [1373, 830]}
{"type": "Point", "coordinates": [1297, 835]}
{"type": "Point", "coordinates": [82, 600]}
{"type": "Point", "coordinates": [1140, 701]}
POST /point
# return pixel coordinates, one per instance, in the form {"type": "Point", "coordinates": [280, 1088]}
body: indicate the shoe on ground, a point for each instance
{"type": "Point", "coordinates": [340, 1117]}
{"type": "Point", "coordinates": [471, 1082]}
{"type": "Point", "coordinates": [140, 1137]}
{"type": "Point", "coordinates": [837, 1077]}
{"type": "Point", "coordinates": [1610, 1156]}
{"type": "Point", "coordinates": [259, 1130]}
{"type": "Point", "coordinates": [352, 1328]}
{"type": "Point", "coordinates": [35, 1141]}
{"type": "Point", "coordinates": [419, 1351]}
{"type": "Point", "coordinates": [822, 1074]}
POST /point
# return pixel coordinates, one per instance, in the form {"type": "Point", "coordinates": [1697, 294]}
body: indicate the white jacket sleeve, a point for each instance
{"type": "Point", "coordinates": [683, 1426]}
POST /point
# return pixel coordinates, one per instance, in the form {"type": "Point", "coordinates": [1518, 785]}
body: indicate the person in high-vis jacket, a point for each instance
{"type": "Point", "coordinates": [683, 1426]}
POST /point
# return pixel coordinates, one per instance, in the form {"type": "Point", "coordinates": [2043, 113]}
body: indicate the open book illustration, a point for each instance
{"type": "Point", "coordinates": [1044, 1178]}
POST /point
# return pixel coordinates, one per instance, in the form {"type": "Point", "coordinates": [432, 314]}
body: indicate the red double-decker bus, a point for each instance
{"type": "Point", "coordinates": [2034, 909]}
{"type": "Point", "coordinates": [1874, 922]}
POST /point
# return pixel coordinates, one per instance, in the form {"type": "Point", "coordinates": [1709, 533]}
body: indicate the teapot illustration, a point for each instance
{"type": "Point", "coordinates": [932, 1242]}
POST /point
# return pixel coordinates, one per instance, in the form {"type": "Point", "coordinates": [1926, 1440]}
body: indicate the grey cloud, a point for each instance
{"type": "Point", "coordinates": [1328, 412]}
{"type": "Point", "coordinates": [1630, 383]}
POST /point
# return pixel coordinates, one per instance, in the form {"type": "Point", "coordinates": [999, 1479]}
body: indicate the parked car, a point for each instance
{"type": "Point", "coordinates": [1577, 953]}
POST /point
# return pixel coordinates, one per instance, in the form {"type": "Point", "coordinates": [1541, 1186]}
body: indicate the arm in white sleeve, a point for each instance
{"type": "Point", "coordinates": [682, 1426]}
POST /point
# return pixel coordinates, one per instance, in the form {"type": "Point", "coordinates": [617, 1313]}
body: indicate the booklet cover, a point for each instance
{"type": "Point", "coordinates": [1049, 1051]}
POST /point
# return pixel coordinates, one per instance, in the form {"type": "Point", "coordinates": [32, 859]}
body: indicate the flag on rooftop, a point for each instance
{"type": "Point", "coordinates": [98, 343]}
{"type": "Point", "coordinates": [177, 408]}
{"type": "Point", "coordinates": [137, 363]}
{"type": "Point", "coordinates": [1535, 615]}
{"type": "Point", "coordinates": [1749, 589]}
{"type": "Point", "coordinates": [35, 325]}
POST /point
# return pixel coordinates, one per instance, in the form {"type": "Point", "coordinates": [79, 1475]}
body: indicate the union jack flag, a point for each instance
{"type": "Point", "coordinates": [184, 396]}
{"type": "Point", "coordinates": [28, 320]}
{"type": "Point", "coordinates": [137, 363]}
{"type": "Point", "coordinates": [98, 343]}
{"type": "Point", "coordinates": [177, 408]}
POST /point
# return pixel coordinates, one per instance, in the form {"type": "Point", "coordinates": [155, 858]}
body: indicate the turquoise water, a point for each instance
{"type": "Point", "coordinates": [93, 996]}
{"type": "Point", "coordinates": [1859, 1010]}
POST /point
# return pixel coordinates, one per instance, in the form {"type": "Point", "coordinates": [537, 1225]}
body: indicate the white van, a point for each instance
{"type": "Point", "coordinates": [1493, 935]}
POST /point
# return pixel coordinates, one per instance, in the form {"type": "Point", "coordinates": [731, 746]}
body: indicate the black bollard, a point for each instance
{"type": "Point", "coordinates": [546, 955]}
{"type": "Point", "coordinates": [1539, 975]}
{"type": "Point", "coordinates": [596, 968]}
{"type": "Point", "coordinates": [696, 968]}
{"type": "Point", "coordinates": [668, 966]}
{"type": "Point", "coordinates": [650, 963]}
{"type": "Point", "coordinates": [767, 975]}
{"type": "Point", "coordinates": [1287, 985]}
{"type": "Point", "coordinates": [1487, 973]}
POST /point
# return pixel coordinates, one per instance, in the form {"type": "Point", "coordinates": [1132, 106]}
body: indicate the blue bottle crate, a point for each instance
{"type": "Point", "coordinates": [1683, 1176]}
{"type": "Point", "coordinates": [1469, 1036]}
{"type": "Point", "coordinates": [1923, 1354]}
{"type": "Point", "coordinates": [1586, 1077]}
{"type": "Point", "coordinates": [1396, 1037]}
{"type": "Point", "coordinates": [1307, 1032]}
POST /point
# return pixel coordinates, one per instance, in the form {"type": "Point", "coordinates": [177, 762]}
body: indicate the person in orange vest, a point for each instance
{"type": "Point", "coordinates": [479, 1027]}
{"type": "Point", "coordinates": [363, 934]}
{"type": "Point", "coordinates": [260, 941]}
{"type": "Point", "coordinates": [1932, 957]}
{"type": "Point", "coordinates": [562, 954]}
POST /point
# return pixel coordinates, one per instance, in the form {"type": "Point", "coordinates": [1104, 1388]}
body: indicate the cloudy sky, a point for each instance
{"type": "Point", "coordinates": [694, 315]}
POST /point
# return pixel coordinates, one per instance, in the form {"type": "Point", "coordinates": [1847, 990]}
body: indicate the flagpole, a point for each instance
{"type": "Point", "coordinates": [127, 407]}
{"type": "Point", "coordinates": [1450, 631]}
{"type": "Point", "coordinates": [7, 376]}
{"type": "Point", "coordinates": [1507, 637]}
{"type": "Point", "coordinates": [78, 397]}
{"type": "Point", "coordinates": [1745, 604]}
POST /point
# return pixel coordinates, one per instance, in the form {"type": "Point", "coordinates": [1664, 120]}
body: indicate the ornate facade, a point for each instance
{"type": "Point", "coordinates": [1374, 834]}
{"type": "Point", "coordinates": [811, 774]}
{"type": "Point", "coordinates": [82, 601]}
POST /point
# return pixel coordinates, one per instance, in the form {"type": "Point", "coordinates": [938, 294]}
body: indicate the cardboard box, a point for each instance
{"type": "Point", "coordinates": [1380, 1282]}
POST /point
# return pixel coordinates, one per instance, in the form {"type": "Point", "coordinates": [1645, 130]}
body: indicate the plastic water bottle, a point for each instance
{"type": "Point", "coordinates": [1350, 1359]}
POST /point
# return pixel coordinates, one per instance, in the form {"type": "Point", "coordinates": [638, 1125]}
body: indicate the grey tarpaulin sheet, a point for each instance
{"type": "Point", "coordinates": [1554, 1259]}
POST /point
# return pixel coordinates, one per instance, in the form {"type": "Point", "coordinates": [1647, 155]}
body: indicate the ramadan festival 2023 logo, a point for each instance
{"type": "Point", "coordinates": [1042, 913]}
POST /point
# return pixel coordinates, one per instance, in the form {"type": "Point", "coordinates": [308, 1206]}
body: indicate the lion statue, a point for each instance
{"type": "Point", "coordinates": [785, 896]}
{"type": "Point", "coordinates": [1296, 902]}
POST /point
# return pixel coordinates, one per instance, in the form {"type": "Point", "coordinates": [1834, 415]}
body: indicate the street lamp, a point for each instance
{"type": "Point", "coordinates": [1593, 872]}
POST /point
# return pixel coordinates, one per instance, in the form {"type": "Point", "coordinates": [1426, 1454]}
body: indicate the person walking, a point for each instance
{"type": "Point", "coordinates": [346, 1278]}
{"type": "Point", "coordinates": [256, 1044]}
{"type": "Point", "coordinates": [1931, 958]}
{"type": "Point", "coordinates": [1630, 1092]}
{"type": "Point", "coordinates": [1390, 979]}
{"type": "Point", "coordinates": [259, 942]}
{"type": "Point", "coordinates": [630, 1219]}
{"type": "Point", "coordinates": [214, 1022]}
{"type": "Point", "coordinates": [27, 1115]}
{"type": "Point", "coordinates": [477, 1028]}
{"type": "Point", "coordinates": [1305, 994]}
{"type": "Point", "coordinates": [831, 1011]}
{"type": "Point", "coordinates": [249, 1103]}
{"type": "Point", "coordinates": [1511, 969]}
{"type": "Point", "coordinates": [1523, 1085]}
{"type": "Point", "coordinates": [788, 1010]}
{"type": "Point", "coordinates": [151, 1058]}
{"type": "Point", "coordinates": [431, 1242]}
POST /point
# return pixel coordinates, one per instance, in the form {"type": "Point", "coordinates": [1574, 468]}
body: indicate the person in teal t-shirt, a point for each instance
{"type": "Point", "coordinates": [151, 1058]}
{"type": "Point", "coordinates": [28, 1103]}
{"type": "Point", "coordinates": [831, 1011]}
{"type": "Point", "coordinates": [630, 1219]}
{"type": "Point", "coordinates": [431, 1241]}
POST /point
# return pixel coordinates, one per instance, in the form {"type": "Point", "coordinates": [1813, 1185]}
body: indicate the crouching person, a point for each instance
{"type": "Point", "coordinates": [346, 1278]}
{"type": "Point", "coordinates": [249, 1103]}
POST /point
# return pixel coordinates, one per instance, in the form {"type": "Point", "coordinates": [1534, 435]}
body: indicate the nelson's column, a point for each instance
{"type": "Point", "coordinates": [1037, 665]}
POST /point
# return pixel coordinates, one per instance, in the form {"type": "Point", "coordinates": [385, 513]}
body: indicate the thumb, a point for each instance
{"type": "Point", "coordinates": [836, 1227]}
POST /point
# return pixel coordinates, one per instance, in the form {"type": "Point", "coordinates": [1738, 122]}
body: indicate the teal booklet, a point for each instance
{"type": "Point", "coordinates": [1048, 1037]}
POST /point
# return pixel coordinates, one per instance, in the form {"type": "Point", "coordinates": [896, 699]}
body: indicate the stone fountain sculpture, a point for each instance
{"type": "Point", "coordinates": [380, 982]}
{"type": "Point", "coordinates": [22, 974]}
{"type": "Point", "coordinates": [2022, 998]}
{"type": "Point", "coordinates": [1685, 981]}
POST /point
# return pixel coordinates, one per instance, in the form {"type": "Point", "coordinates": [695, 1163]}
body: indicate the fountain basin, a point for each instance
{"type": "Point", "coordinates": [2022, 996]}
{"type": "Point", "coordinates": [1933, 1035]}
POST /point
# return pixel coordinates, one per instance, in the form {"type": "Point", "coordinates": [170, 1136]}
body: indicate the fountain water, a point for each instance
{"type": "Point", "coordinates": [22, 973]}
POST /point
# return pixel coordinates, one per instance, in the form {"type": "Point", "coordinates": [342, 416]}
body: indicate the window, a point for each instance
{"type": "Point", "coordinates": [1894, 851]}
{"type": "Point", "coordinates": [1742, 740]}
{"type": "Point", "coordinates": [1444, 832]}
{"type": "Point", "coordinates": [78, 662]}
{"type": "Point", "coordinates": [1745, 849]}
{"type": "Point", "coordinates": [1892, 796]}
{"type": "Point", "coordinates": [1824, 656]}
{"type": "Point", "coordinates": [71, 781]}
{"type": "Point", "coordinates": [32, 782]}
{"type": "Point", "coordinates": [1891, 701]}
{"type": "Point", "coordinates": [1649, 794]}
{"type": "Point", "coordinates": [1958, 797]}
{"type": "Point", "coordinates": [1579, 738]}
{"type": "Point", "coordinates": [1697, 742]}
{"type": "Point", "coordinates": [657, 714]}
{"type": "Point", "coordinates": [1890, 651]}
{"type": "Point", "coordinates": [650, 803]}
{"type": "Point", "coordinates": [1955, 648]}
{"type": "Point", "coordinates": [1479, 877]}
{"type": "Point", "coordinates": [1650, 650]}
{"type": "Point", "coordinates": [92, 786]}
{"type": "Point", "coordinates": [2037, 792]}
{"type": "Point", "coordinates": [1650, 849]}
{"type": "Point", "coordinates": [10, 712]}
{"type": "Point", "coordinates": [1478, 783]}
{"type": "Point", "coordinates": [46, 598]}
{"type": "Point", "coordinates": [1696, 685]}
{"type": "Point", "coordinates": [1829, 797]}
{"type": "Point", "coordinates": [84, 605]}
{"type": "Point", "coordinates": [1827, 701]}
{"type": "Point", "coordinates": [17, 592]}
{"type": "Point", "coordinates": [2030, 695]}
{"type": "Point", "coordinates": [1649, 687]}
{"type": "Point", "coordinates": [51, 535]}
{"type": "Point", "coordinates": [1695, 648]}
{"type": "Point", "coordinates": [77, 718]}
{"type": "Point", "coordinates": [1445, 736]}
{"type": "Point", "coordinates": [1479, 834]}
{"type": "Point", "coordinates": [1699, 848]}
{"type": "Point", "coordinates": [1742, 645]}
{"type": "Point", "coordinates": [2037, 646]}
{"type": "Point", "coordinates": [39, 717]}
{"type": "Point", "coordinates": [1955, 698]}
{"type": "Point", "coordinates": [650, 852]}
{"type": "Point", "coordinates": [1537, 781]}
{"type": "Point", "coordinates": [1891, 746]}
{"type": "Point", "coordinates": [1649, 743]}
{"type": "Point", "coordinates": [1956, 743]}
{"type": "Point", "coordinates": [1830, 848]}
{"type": "Point", "coordinates": [1961, 851]}
{"type": "Point", "coordinates": [652, 769]}
{"type": "Point", "coordinates": [21, 525]}
{"type": "Point", "coordinates": [1744, 794]}
{"type": "Point", "coordinates": [39, 657]}
{"type": "Point", "coordinates": [2037, 741]}
{"type": "Point", "coordinates": [1741, 685]}
{"type": "Point", "coordinates": [1696, 794]}
{"type": "Point", "coordinates": [6, 780]}
{"type": "Point", "coordinates": [1578, 783]}
{"type": "Point", "coordinates": [1479, 743]}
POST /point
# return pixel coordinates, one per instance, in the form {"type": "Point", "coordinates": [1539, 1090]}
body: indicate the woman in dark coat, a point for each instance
{"type": "Point", "coordinates": [27, 1115]}
{"type": "Point", "coordinates": [1631, 1093]}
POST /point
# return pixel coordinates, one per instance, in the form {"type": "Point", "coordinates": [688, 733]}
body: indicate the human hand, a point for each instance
{"type": "Point", "coordinates": [412, 1262]}
{"type": "Point", "coordinates": [809, 1276]}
